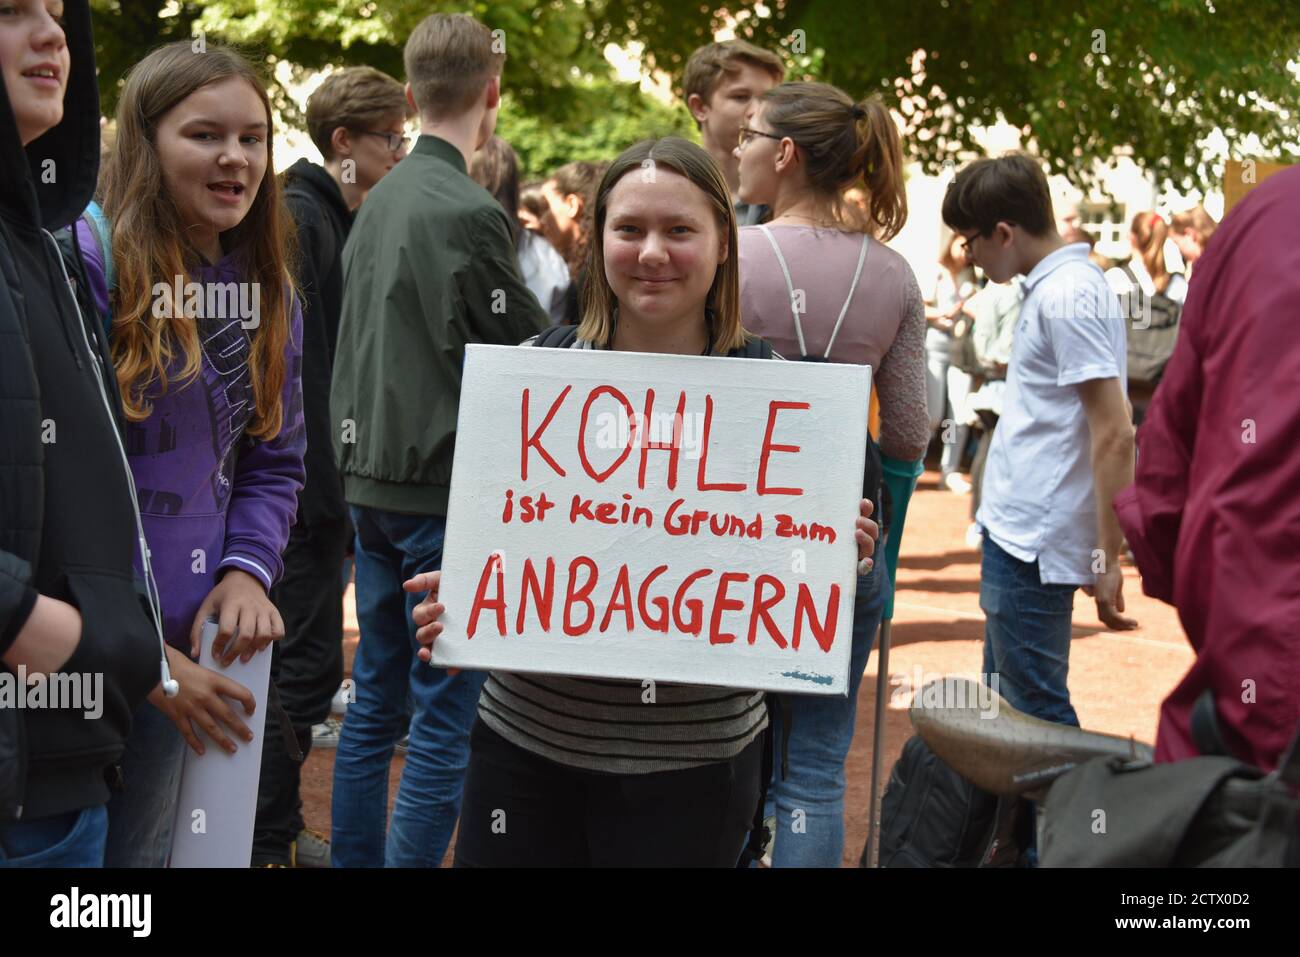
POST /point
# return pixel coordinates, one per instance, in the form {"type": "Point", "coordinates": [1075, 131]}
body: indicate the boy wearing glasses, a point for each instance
{"type": "Point", "coordinates": [356, 119]}
{"type": "Point", "coordinates": [1064, 445]}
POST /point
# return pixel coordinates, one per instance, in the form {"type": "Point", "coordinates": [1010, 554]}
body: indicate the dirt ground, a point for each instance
{"type": "Point", "coordinates": [1117, 680]}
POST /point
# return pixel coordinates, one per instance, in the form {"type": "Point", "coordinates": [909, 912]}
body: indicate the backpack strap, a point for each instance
{"type": "Point", "coordinates": [759, 834]}
{"type": "Point", "coordinates": [755, 347]}
{"type": "Point", "coordinates": [556, 337]}
{"type": "Point", "coordinates": [857, 274]}
{"type": "Point", "coordinates": [794, 311]}
{"type": "Point", "coordinates": [563, 337]}
{"type": "Point", "coordinates": [102, 231]}
{"type": "Point", "coordinates": [789, 285]}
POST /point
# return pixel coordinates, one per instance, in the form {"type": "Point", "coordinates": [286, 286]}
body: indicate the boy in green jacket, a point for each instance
{"type": "Point", "coordinates": [429, 267]}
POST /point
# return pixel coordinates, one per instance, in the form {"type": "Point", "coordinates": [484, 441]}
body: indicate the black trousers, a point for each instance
{"type": "Point", "coordinates": [522, 810]}
{"type": "Point", "coordinates": [306, 668]}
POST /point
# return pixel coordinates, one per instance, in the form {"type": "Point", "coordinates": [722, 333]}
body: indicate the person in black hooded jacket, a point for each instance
{"type": "Point", "coordinates": [356, 120]}
{"type": "Point", "coordinates": [69, 606]}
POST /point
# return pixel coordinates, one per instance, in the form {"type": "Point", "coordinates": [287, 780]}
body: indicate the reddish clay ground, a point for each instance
{"type": "Point", "coordinates": [1117, 680]}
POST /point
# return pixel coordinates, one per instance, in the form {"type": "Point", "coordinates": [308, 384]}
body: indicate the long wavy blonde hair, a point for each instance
{"type": "Point", "coordinates": [149, 243]}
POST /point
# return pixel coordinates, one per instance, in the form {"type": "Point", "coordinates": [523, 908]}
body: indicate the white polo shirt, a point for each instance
{"type": "Point", "coordinates": [1038, 501]}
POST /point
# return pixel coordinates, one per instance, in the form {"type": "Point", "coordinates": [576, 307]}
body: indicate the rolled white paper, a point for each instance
{"type": "Point", "coordinates": [218, 797]}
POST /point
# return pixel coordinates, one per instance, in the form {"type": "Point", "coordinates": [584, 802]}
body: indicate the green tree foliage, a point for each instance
{"type": "Point", "coordinates": [1084, 77]}
{"type": "Point", "coordinates": [618, 115]}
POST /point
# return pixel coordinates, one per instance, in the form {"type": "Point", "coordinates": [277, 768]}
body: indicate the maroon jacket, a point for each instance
{"type": "Point", "coordinates": [1213, 518]}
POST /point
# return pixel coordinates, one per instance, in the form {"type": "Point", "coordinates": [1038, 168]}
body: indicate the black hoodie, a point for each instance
{"type": "Point", "coordinates": [67, 528]}
{"type": "Point", "coordinates": [323, 221]}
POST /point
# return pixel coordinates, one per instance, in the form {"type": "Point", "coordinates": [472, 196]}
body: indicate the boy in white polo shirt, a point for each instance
{"type": "Point", "coordinates": [1064, 445]}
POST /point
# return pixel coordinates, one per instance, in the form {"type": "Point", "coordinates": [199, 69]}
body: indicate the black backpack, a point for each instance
{"type": "Point", "coordinates": [1215, 811]}
{"type": "Point", "coordinates": [1149, 348]}
{"type": "Point", "coordinates": [931, 816]}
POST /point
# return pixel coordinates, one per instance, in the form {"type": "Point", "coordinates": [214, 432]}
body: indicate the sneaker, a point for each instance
{"type": "Point", "coordinates": [953, 482]}
{"type": "Point", "coordinates": [974, 536]}
{"type": "Point", "coordinates": [326, 734]}
{"type": "Point", "coordinates": [339, 703]}
{"type": "Point", "coordinates": [309, 849]}
{"type": "Point", "coordinates": [765, 862]}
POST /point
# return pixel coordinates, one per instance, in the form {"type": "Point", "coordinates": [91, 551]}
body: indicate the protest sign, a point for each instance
{"type": "Point", "coordinates": [684, 519]}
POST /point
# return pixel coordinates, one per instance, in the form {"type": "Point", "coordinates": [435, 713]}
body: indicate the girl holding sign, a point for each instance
{"type": "Point", "coordinates": [572, 771]}
{"type": "Point", "coordinates": [818, 282]}
{"type": "Point", "coordinates": [206, 338]}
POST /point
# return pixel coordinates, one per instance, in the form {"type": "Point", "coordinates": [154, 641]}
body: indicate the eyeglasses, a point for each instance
{"type": "Point", "coordinates": [968, 241]}
{"type": "Point", "coordinates": [395, 141]}
{"type": "Point", "coordinates": [746, 134]}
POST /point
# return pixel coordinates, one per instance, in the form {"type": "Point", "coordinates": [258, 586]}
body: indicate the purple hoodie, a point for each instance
{"type": "Point", "coordinates": [212, 498]}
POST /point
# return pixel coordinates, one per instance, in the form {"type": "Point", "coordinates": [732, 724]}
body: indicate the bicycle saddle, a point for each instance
{"type": "Point", "coordinates": [980, 736]}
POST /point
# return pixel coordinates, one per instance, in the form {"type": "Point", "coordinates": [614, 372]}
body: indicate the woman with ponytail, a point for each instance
{"type": "Point", "coordinates": [1147, 236]}
{"type": "Point", "coordinates": [818, 282]}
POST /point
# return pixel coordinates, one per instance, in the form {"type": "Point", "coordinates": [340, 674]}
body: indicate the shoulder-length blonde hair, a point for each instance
{"type": "Point", "coordinates": [149, 243]}
{"type": "Point", "coordinates": [722, 306]}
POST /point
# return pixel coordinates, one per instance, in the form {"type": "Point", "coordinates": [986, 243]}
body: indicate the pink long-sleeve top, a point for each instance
{"type": "Point", "coordinates": [884, 326]}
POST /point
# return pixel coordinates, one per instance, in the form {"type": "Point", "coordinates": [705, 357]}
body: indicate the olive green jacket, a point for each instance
{"type": "Point", "coordinates": [429, 266]}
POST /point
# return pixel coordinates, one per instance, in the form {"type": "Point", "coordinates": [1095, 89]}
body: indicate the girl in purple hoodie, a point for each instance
{"type": "Point", "coordinates": [206, 339]}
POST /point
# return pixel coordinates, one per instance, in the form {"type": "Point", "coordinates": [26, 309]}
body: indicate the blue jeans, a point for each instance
{"type": "Point", "coordinates": [75, 839]}
{"type": "Point", "coordinates": [392, 547]}
{"type": "Point", "coordinates": [140, 818]}
{"type": "Point", "coordinates": [1026, 635]}
{"type": "Point", "coordinates": [809, 803]}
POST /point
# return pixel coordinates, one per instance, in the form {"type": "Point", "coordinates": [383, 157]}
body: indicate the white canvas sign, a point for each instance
{"type": "Point", "coordinates": [675, 518]}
